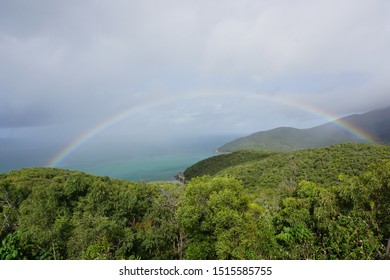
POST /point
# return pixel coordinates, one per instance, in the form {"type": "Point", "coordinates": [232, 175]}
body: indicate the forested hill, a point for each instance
{"type": "Point", "coordinates": [375, 123]}
{"type": "Point", "coordinates": [329, 203]}
{"type": "Point", "coordinates": [259, 169]}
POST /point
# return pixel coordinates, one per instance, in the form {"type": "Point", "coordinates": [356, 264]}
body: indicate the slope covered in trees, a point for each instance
{"type": "Point", "coordinates": [266, 169]}
{"type": "Point", "coordinates": [330, 203]}
{"type": "Point", "coordinates": [58, 214]}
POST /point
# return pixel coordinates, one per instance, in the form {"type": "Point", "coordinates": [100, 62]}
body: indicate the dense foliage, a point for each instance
{"type": "Point", "coordinates": [258, 169]}
{"type": "Point", "coordinates": [331, 203]}
{"type": "Point", "coordinates": [215, 164]}
{"type": "Point", "coordinates": [58, 214]}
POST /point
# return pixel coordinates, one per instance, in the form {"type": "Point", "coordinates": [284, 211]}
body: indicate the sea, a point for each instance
{"type": "Point", "coordinates": [143, 168]}
{"type": "Point", "coordinates": [136, 162]}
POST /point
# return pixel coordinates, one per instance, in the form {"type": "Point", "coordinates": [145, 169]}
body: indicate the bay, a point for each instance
{"type": "Point", "coordinates": [143, 168]}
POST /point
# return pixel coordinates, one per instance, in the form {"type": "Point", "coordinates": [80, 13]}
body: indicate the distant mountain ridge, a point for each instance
{"type": "Point", "coordinates": [375, 123]}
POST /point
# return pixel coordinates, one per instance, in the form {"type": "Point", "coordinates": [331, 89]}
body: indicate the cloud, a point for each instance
{"type": "Point", "coordinates": [75, 64]}
{"type": "Point", "coordinates": [22, 118]}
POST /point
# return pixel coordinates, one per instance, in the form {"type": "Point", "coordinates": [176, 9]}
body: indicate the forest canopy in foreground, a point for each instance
{"type": "Point", "coordinates": [329, 203]}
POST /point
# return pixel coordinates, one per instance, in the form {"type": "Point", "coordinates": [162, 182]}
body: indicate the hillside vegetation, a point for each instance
{"type": "Point", "coordinates": [215, 164]}
{"type": "Point", "coordinates": [261, 169]}
{"type": "Point", "coordinates": [329, 203]}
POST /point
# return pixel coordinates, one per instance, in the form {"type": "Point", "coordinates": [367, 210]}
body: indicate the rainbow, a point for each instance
{"type": "Point", "coordinates": [157, 102]}
{"type": "Point", "coordinates": [115, 119]}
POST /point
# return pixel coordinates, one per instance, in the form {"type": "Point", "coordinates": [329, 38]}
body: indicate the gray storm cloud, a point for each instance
{"type": "Point", "coordinates": [69, 65]}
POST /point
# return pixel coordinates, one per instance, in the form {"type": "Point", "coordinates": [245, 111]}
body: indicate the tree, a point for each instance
{"type": "Point", "coordinates": [221, 222]}
{"type": "Point", "coordinates": [349, 221]}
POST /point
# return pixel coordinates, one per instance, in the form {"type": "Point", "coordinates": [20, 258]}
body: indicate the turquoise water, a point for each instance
{"type": "Point", "coordinates": [142, 168]}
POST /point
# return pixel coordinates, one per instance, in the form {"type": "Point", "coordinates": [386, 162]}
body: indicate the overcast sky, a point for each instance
{"type": "Point", "coordinates": [190, 67]}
